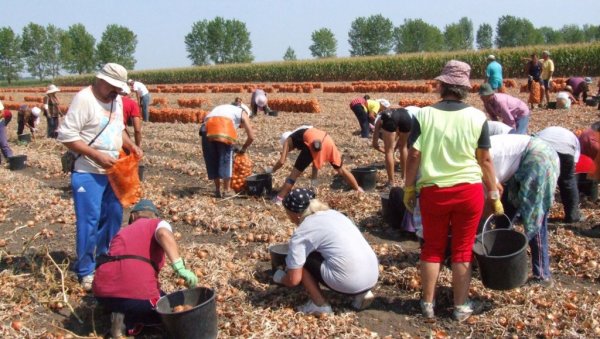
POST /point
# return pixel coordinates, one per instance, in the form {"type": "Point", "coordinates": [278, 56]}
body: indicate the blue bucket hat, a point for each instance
{"type": "Point", "coordinates": [145, 205]}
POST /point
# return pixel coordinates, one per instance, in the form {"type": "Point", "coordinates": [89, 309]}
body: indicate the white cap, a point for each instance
{"type": "Point", "coordinates": [114, 74]}
{"type": "Point", "coordinates": [284, 137]}
{"type": "Point", "coordinates": [36, 111]}
{"type": "Point", "coordinates": [491, 57]}
{"type": "Point", "coordinates": [384, 103]}
{"type": "Point", "coordinates": [52, 89]}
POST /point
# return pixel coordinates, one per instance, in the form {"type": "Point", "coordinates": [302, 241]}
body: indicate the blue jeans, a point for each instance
{"type": "Point", "coordinates": [218, 158]}
{"type": "Point", "coordinates": [522, 124]}
{"type": "Point", "coordinates": [51, 127]}
{"type": "Point", "coordinates": [4, 147]}
{"type": "Point", "coordinates": [540, 257]}
{"type": "Point", "coordinates": [145, 107]}
{"type": "Point", "coordinates": [99, 215]}
{"type": "Point", "coordinates": [538, 242]}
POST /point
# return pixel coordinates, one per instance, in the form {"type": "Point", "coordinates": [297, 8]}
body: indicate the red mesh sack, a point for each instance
{"type": "Point", "coordinates": [125, 180]}
{"type": "Point", "coordinates": [242, 168]}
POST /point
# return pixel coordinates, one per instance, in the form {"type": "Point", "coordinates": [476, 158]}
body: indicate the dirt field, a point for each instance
{"type": "Point", "coordinates": [226, 242]}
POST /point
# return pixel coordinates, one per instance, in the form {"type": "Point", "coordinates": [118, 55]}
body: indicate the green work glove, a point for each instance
{"type": "Point", "coordinates": [497, 207]}
{"type": "Point", "coordinates": [190, 278]}
{"type": "Point", "coordinates": [410, 198]}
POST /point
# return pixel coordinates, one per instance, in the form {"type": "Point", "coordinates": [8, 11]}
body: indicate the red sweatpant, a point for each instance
{"type": "Point", "coordinates": [455, 209]}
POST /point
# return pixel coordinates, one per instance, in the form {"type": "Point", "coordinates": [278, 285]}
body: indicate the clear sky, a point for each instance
{"type": "Point", "coordinates": [274, 25]}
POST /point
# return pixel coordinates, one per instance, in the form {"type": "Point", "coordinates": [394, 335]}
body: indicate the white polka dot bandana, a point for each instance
{"type": "Point", "coordinates": [298, 199]}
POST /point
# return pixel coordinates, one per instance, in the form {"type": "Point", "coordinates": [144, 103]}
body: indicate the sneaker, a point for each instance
{"type": "Point", "coordinates": [86, 282]}
{"type": "Point", "coordinates": [546, 283]}
{"type": "Point", "coordinates": [117, 325]}
{"type": "Point", "coordinates": [427, 309]}
{"type": "Point", "coordinates": [363, 300]}
{"type": "Point", "coordinates": [227, 194]}
{"type": "Point", "coordinates": [464, 311]}
{"type": "Point", "coordinates": [312, 308]}
{"type": "Point", "coordinates": [217, 194]}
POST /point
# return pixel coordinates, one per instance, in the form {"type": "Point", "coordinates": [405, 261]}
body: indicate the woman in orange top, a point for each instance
{"type": "Point", "coordinates": [316, 147]}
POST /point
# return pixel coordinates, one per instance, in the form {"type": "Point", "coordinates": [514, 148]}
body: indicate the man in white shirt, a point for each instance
{"type": "Point", "coordinates": [143, 97]}
{"type": "Point", "coordinates": [93, 129]}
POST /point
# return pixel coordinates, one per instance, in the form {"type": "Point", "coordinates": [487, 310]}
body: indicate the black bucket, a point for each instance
{"type": "Point", "coordinates": [259, 184]}
{"type": "Point", "coordinates": [141, 172]}
{"type": "Point", "coordinates": [365, 176]}
{"type": "Point", "coordinates": [502, 257]}
{"type": "Point", "coordinates": [198, 322]}
{"type": "Point", "coordinates": [24, 138]}
{"type": "Point", "coordinates": [552, 105]}
{"type": "Point", "coordinates": [392, 207]}
{"type": "Point", "coordinates": [273, 113]}
{"type": "Point", "coordinates": [593, 101]}
{"type": "Point", "coordinates": [278, 253]}
{"type": "Point", "coordinates": [16, 162]}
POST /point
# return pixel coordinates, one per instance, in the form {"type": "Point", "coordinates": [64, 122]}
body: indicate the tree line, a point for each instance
{"type": "Point", "coordinates": [46, 51]}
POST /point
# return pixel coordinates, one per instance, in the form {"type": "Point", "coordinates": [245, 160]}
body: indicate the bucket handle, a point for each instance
{"type": "Point", "coordinates": [486, 223]}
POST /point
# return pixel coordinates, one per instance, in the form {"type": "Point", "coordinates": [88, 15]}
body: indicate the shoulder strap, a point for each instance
{"type": "Point", "coordinates": [102, 130]}
{"type": "Point", "coordinates": [104, 258]}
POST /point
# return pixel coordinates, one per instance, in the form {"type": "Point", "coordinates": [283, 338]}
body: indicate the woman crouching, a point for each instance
{"type": "Point", "coordinates": [326, 248]}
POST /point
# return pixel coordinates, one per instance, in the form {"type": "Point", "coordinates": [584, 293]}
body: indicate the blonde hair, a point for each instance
{"type": "Point", "coordinates": [314, 206]}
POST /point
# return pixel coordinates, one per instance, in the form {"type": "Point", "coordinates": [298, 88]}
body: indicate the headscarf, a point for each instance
{"type": "Point", "coordinates": [298, 199]}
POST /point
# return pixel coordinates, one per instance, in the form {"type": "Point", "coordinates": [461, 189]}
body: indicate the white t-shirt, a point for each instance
{"type": "Point", "coordinates": [140, 88]}
{"type": "Point", "coordinates": [506, 152]}
{"type": "Point", "coordinates": [497, 127]}
{"type": "Point", "coordinates": [561, 140]}
{"type": "Point", "coordinates": [85, 119]}
{"type": "Point", "coordinates": [229, 111]}
{"type": "Point", "coordinates": [349, 266]}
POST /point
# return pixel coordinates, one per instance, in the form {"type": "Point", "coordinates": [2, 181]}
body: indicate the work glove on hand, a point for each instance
{"type": "Point", "coordinates": [410, 198]}
{"type": "Point", "coordinates": [268, 170]}
{"type": "Point", "coordinates": [190, 278]}
{"type": "Point", "coordinates": [278, 276]}
{"type": "Point", "coordinates": [497, 207]}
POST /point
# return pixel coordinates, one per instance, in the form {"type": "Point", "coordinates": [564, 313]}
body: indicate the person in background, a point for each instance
{"type": "Point", "coordinates": [326, 248]}
{"type": "Point", "coordinates": [126, 281]}
{"type": "Point", "coordinates": [449, 163]}
{"type": "Point", "coordinates": [359, 108]}
{"type": "Point", "coordinates": [132, 117]}
{"type": "Point", "coordinates": [143, 97]}
{"type": "Point", "coordinates": [28, 117]}
{"type": "Point", "coordinates": [52, 111]}
{"type": "Point", "coordinates": [96, 113]}
{"type": "Point", "coordinates": [533, 70]}
{"type": "Point", "coordinates": [503, 107]}
{"type": "Point", "coordinates": [218, 133]}
{"type": "Point", "coordinates": [528, 168]}
{"type": "Point", "coordinates": [316, 147]}
{"type": "Point", "coordinates": [373, 109]}
{"type": "Point", "coordinates": [589, 142]}
{"type": "Point", "coordinates": [4, 120]}
{"type": "Point", "coordinates": [546, 75]}
{"type": "Point", "coordinates": [259, 102]}
{"type": "Point", "coordinates": [566, 145]}
{"type": "Point", "coordinates": [394, 125]}
{"type": "Point", "coordinates": [580, 86]}
{"type": "Point", "coordinates": [238, 102]}
{"type": "Point", "coordinates": [493, 73]}
{"type": "Point", "coordinates": [497, 127]}
{"type": "Point", "coordinates": [564, 99]}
